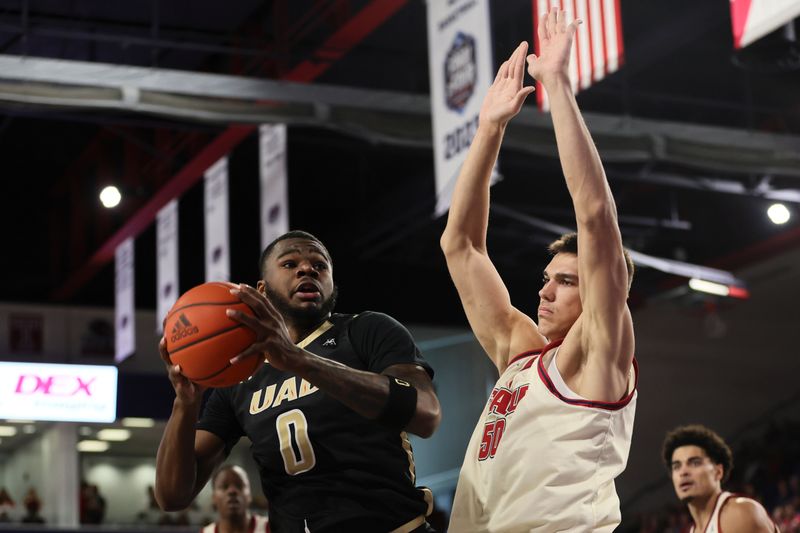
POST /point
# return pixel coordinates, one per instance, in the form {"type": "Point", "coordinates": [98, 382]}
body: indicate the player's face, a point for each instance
{"type": "Point", "coordinates": [694, 474]}
{"type": "Point", "coordinates": [298, 279]}
{"type": "Point", "coordinates": [559, 297]}
{"type": "Point", "coordinates": [231, 495]}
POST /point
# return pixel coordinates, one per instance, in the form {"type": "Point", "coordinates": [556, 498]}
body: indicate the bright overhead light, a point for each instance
{"type": "Point", "coordinates": [709, 286]}
{"type": "Point", "coordinates": [733, 291]}
{"type": "Point", "coordinates": [7, 431]}
{"type": "Point", "coordinates": [110, 197]}
{"type": "Point", "coordinates": [779, 214]}
{"type": "Point", "coordinates": [114, 434]}
{"type": "Point", "coordinates": [93, 446]}
{"type": "Point", "coordinates": [133, 422]}
{"type": "Point", "coordinates": [28, 429]}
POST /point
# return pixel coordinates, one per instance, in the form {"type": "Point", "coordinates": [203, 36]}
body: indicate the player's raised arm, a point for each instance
{"type": "Point", "coordinates": [606, 331]}
{"type": "Point", "coordinates": [186, 457]}
{"type": "Point", "coordinates": [501, 329]}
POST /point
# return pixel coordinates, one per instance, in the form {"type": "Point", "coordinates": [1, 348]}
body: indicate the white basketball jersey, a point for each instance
{"type": "Point", "coordinates": [713, 522]}
{"type": "Point", "coordinates": [258, 524]}
{"type": "Point", "coordinates": [539, 461]}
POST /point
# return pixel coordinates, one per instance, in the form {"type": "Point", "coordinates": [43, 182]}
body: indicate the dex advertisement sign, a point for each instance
{"type": "Point", "coordinates": [68, 393]}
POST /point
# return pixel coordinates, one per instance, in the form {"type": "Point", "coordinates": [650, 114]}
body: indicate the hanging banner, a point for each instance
{"type": "Point", "coordinates": [216, 222]}
{"type": "Point", "coordinates": [460, 64]}
{"type": "Point", "coordinates": [274, 186]}
{"type": "Point", "coordinates": [753, 19]}
{"type": "Point", "coordinates": [124, 301]}
{"type": "Point", "coordinates": [166, 261]}
{"type": "Point", "coordinates": [598, 47]}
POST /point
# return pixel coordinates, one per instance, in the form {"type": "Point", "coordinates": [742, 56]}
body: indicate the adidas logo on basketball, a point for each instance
{"type": "Point", "coordinates": [183, 328]}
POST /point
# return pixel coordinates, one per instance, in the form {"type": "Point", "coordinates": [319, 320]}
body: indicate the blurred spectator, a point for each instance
{"type": "Point", "coordinates": [6, 505]}
{"type": "Point", "coordinates": [32, 504]}
{"type": "Point", "coordinates": [92, 505]}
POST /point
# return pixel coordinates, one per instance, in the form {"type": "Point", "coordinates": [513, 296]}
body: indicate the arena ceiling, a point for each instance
{"type": "Point", "coordinates": [697, 141]}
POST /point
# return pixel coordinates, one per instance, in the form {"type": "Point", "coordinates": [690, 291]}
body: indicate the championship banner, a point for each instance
{"type": "Point", "coordinates": [274, 187]}
{"type": "Point", "coordinates": [166, 261]}
{"type": "Point", "coordinates": [753, 19]}
{"type": "Point", "coordinates": [216, 222]}
{"type": "Point", "coordinates": [124, 301]}
{"type": "Point", "coordinates": [460, 64]}
{"type": "Point", "coordinates": [598, 48]}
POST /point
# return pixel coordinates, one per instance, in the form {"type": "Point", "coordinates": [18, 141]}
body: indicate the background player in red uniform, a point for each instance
{"type": "Point", "coordinates": [700, 462]}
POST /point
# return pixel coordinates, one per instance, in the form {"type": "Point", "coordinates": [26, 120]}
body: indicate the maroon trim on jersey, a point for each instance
{"type": "Point", "coordinates": [737, 495]}
{"type": "Point", "coordinates": [534, 352]}
{"type": "Point", "coordinates": [251, 528]}
{"type": "Point", "coordinates": [716, 501]}
{"type": "Point", "coordinates": [609, 406]}
{"type": "Point", "coordinates": [523, 355]}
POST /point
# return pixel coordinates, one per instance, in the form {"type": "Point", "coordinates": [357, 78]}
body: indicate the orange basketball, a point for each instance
{"type": "Point", "coordinates": [202, 339]}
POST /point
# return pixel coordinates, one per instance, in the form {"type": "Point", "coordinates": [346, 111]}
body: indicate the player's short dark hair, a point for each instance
{"type": "Point", "coordinates": [219, 470]}
{"type": "Point", "coordinates": [294, 234]}
{"type": "Point", "coordinates": [703, 438]}
{"type": "Point", "coordinates": [568, 244]}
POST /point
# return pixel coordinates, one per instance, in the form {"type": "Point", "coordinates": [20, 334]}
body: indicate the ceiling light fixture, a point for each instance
{"type": "Point", "coordinates": [718, 289]}
{"type": "Point", "coordinates": [110, 197]}
{"type": "Point", "coordinates": [93, 446]}
{"type": "Point", "coordinates": [114, 434]}
{"type": "Point", "coordinates": [779, 213]}
{"type": "Point", "coordinates": [133, 422]}
{"type": "Point", "coordinates": [7, 431]}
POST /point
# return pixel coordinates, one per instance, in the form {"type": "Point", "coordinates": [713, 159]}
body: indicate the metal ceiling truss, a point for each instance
{"type": "Point", "coordinates": [383, 116]}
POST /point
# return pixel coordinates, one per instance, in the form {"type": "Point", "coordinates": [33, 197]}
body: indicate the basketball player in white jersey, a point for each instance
{"type": "Point", "coordinates": [699, 462]}
{"type": "Point", "coordinates": [556, 430]}
{"type": "Point", "coordinates": [232, 498]}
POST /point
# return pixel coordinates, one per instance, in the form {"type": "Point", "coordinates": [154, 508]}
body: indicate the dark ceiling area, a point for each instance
{"type": "Point", "coordinates": [369, 199]}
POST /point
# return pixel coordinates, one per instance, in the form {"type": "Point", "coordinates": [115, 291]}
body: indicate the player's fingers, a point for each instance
{"type": "Point", "coordinates": [162, 350]}
{"type": "Point", "coordinates": [551, 21]}
{"type": "Point", "coordinates": [254, 299]}
{"type": "Point", "coordinates": [256, 324]}
{"type": "Point", "coordinates": [542, 29]}
{"type": "Point", "coordinates": [518, 69]}
{"type": "Point", "coordinates": [523, 93]}
{"type": "Point", "coordinates": [254, 350]}
{"type": "Point", "coordinates": [499, 75]}
{"type": "Point", "coordinates": [561, 21]}
{"type": "Point", "coordinates": [503, 72]}
{"type": "Point", "coordinates": [176, 373]}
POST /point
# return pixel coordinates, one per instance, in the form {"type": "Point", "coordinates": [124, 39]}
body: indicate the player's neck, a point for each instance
{"type": "Point", "coordinates": [299, 330]}
{"type": "Point", "coordinates": [701, 509]}
{"type": "Point", "coordinates": [234, 524]}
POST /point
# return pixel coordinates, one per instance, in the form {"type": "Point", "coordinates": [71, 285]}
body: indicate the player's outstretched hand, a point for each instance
{"type": "Point", "coordinates": [187, 392]}
{"type": "Point", "coordinates": [555, 46]}
{"type": "Point", "coordinates": [506, 94]}
{"type": "Point", "coordinates": [273, 341]}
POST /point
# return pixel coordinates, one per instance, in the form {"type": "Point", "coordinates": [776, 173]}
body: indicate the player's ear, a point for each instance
{"type": "Point", "coordinates": [719, 471]}
{"type": "Point", "coordinates": [260, 286]}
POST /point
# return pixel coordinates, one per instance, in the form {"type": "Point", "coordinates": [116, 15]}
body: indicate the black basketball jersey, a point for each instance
{"type": "Point", "coordinates": [323, 466]}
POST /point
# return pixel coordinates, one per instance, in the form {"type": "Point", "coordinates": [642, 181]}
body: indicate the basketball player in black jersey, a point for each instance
{"type": "Point", "coordinates": [327, 413]}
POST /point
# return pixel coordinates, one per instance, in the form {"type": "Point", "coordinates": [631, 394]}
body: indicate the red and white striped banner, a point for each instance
{"type": "Point", "coordinates": [598, 48]}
